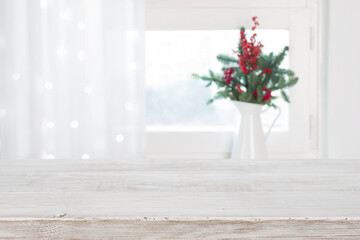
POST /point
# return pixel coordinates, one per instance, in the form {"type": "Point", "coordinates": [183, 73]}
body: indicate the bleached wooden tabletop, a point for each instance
{"type": "Point", "coordinates": [71, 192]}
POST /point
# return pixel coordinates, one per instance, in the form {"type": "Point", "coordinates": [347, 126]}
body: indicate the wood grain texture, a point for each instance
{"type": "Point", "coordinates": [171, 229]}
{"type": "Point", "coordinates": [193, 204]}
{"type": "Point", "coordinates": [217, 188]}
{"type": "Point", "coordinates": [114, 193]}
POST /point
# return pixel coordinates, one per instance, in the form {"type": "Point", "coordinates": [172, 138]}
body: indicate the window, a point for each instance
{"type": "Point", "coordinates": [175, 100]}
{"type": "Point", "coordinates": [178, 120]}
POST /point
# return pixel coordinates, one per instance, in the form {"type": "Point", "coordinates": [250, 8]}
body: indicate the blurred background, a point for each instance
{"type": "Point", "coordinates": [112, 79]}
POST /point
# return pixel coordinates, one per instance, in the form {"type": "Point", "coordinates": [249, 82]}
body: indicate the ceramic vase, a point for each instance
{"type": "Point", "coordinates": [250, 140]}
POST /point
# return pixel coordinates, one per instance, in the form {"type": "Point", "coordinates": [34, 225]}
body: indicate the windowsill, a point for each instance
{"type": "Point", "coordinates": [187, 129]}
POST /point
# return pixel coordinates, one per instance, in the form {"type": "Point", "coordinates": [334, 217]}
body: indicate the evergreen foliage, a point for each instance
{"type": "Point", "coordinates": [256, 85]}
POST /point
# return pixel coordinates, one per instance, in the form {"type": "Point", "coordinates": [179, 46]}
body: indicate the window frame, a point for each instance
{"type": "Point", "coordinates": [300, 18]}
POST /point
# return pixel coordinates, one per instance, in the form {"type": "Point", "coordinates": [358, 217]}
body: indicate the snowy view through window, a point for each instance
{"type": "Point", "coordinates": [175, 100]}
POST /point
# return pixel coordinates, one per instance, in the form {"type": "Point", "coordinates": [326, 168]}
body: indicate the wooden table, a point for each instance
{"type": "Point", "coordinates": [180, 199]}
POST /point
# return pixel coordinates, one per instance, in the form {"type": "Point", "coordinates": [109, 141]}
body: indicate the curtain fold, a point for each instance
{"type": "Point", "coordinates": [72, 79]}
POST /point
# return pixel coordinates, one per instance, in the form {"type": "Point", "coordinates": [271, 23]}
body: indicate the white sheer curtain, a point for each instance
{"type": "Point", "coordinates": [72, 79]}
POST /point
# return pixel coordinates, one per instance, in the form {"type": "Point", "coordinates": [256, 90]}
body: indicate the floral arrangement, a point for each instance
{"type": "Point", "coordinates": [253, 76]}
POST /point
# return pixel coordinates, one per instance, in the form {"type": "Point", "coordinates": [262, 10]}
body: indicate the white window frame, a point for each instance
{"type": "Point", "coordinates": [300, 18]}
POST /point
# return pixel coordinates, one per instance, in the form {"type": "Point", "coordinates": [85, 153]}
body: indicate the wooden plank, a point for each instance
{"type": "Point", "coordinates": [182, 188]}
{"type": "Point", "coordinates": [184, 204]}
{"type": "Point", "coordinates": [176, 181]}
{"type": "Point", "coordinates": [7, 166]}
{"type": "Point", "coordinates": [179, 176]}
{"type": "Point", "coordinates": [90, 229]}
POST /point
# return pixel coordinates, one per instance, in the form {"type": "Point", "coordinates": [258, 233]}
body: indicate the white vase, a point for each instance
{"type": "Point", "coordinates": [250, 140]}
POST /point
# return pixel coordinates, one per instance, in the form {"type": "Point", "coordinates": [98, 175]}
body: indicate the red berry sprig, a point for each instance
{"type": "Point", "coordinates": [266, 71]}
{"type": "Point", "coordinates": [227, 75]}
{"type": "Point", "coordinates": [255, 22]}
{"type": "Point", "coordinates": [239, 88]}
{"type": "Point", "coordinates": [267, 95]}
{"type": "Point", "coordinates": [250, 50]}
